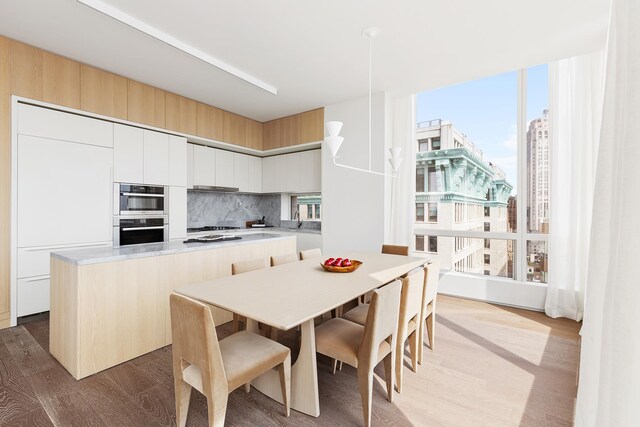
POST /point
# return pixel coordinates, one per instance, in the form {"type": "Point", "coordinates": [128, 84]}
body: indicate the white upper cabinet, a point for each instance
{"type": "Point", "coordinates": [52, 124]}
{"type": "Point", "coordinates": [177, 212]}
{"type": "Point", "coordinates": [293, 172]}
{"type": "Point", "coordinates": [224, 168]}
{"type": "Point", "coordinates": [310, 171]}
{"type": "Point", "coordinates": [204, 165]}
{"type": "Point", "coordinates": [280, 174]}
{"type": "Point", "coordinates": [156, 158]}
{"type": "Point", "coordinates": [269, 174]}
{"type": "Point", "coordinates": [255, 174]}
{"type": "Point", "coordinates": [241, 171]}
{"type": "Point", "coordinates": [178, 161]}
{"type": "Point", "coordinates": [190, 165]}
{"type": "Point", "coordinates": [128, 154]}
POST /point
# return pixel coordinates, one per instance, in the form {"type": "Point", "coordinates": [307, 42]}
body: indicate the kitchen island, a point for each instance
{"type": "Point", "coordinates": [110, 305]}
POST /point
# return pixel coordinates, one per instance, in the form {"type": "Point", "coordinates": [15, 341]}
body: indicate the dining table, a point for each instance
{"type": "Point", "coordinates": [294, 294]}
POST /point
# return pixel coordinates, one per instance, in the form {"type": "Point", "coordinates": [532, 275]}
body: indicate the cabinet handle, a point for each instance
{"type": "Point", "coordinates": [35, 279]}
{"type": "Point", "coordinates": [142, 195]}
{"type": "Point", "coordinates": [159, 227]}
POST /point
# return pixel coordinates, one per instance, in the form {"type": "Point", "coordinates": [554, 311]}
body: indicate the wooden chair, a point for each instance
{"type": "Point", "coordinates": [310, 254]}
{"type": "Point", "coordinates": [363, 347]}
{"type": "Point", "coordinates": [216, 368]}
{"type": "Point", "coordinates": [283, 259]}
{"type": "Point", "coordinates": [408, 321]}
{"type": "Point", "coordinates": [244, 267]}
{"type": "Point", "coordinates": [428, 314]}
{"type": "Point", "coordinates": [395, 250]}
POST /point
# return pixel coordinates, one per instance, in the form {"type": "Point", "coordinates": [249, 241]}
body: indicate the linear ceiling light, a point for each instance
{"type": "Point", "coordinates": [147, 29]}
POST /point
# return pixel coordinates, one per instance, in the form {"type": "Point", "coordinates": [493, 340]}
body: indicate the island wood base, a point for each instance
{"type": "Point", "coordinates": [106, 313]}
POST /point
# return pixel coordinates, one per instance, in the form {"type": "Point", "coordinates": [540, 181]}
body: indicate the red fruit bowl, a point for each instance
{"type": "Point", "coordinates": [333, 269]}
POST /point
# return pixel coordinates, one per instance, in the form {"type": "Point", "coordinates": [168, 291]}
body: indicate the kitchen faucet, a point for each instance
{"type": "Point", "coordinates": [297, 216]}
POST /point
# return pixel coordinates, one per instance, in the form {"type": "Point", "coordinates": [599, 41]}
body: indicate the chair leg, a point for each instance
{"type": "Point", "coordinates": [183, 396]}
{"type": "Point", "coordinates": [399, 361]}
{"type": "Point", "coordinates": [217, 409]}
{"type": "Point", "coordinates": [365, 384]}
{"type": "Point", "coordinates": [236, 323]}
{"type": "Point", "coordinates": [388, 374]}
{"type": "Point", "coordinates": [284, 369]}
{"type": "Point", "coordinates": [431, 325]}
{"type": "Point", "coordinates": [413, 349]}
{"type": "Point", "coordinates": [335, 363]}
{"type": "Point", "coordinates": [421, 340]}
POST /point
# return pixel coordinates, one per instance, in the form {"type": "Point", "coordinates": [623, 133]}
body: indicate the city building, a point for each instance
{"type": "Point", "coordinates": [456, 189]}
{"type": "Point", "coordinates": [538, 174]}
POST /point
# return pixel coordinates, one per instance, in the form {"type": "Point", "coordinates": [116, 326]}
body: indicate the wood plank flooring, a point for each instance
{"type": "Point", "coordinates": [491, 366]}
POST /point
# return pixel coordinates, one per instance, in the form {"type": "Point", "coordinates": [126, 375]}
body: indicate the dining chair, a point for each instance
{"type": "Point", "coordinates": [408, 322]}
{"type": "Point", "coordinates": [395, 250]}
{"type": "Point", "coordinates": [363, 347]}
{"type": "Point", "coordinates": [283, 259]}
{"type": "Point", "coordinates": [428, 314]}
{"type": "Point", "coordinates": [245, 267]}
{"type": "Point", "coordinates": [216, 368]}
{"type": "Point", "coordinates": [310, 254]}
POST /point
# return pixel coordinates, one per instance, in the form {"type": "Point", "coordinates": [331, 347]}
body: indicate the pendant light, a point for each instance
{"type": "Point", "coordinates": [333, 140]}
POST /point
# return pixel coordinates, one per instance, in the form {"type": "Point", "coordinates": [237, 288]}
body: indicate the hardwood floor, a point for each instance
{"type": "Point", "coordinates": [491, 365]}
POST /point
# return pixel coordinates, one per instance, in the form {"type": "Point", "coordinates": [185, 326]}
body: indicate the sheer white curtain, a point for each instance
{"type": "Point", "coordinates": [403, 186]}
{"type": "Point", "coordinates": [576, 88]}
{"type": "Point", "coordinates": [609, 385]}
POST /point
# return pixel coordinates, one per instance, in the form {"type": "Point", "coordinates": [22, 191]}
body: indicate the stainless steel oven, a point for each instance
{"type": "Point", "coordinates": [137, 229]}
{"type": "Point", "coordinates": [135, 199]}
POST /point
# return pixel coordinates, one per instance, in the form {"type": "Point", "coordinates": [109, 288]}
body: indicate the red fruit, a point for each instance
{"type": "Point", "coordinates": [337, 262]}
{"type": "Point", "coordinates": [329, 261]}
{"type": "Point", "coordinates": [346, 263]}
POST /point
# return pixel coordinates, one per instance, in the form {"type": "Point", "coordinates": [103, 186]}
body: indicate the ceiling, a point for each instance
{"type": "Point", "coordinates": [311, 51]}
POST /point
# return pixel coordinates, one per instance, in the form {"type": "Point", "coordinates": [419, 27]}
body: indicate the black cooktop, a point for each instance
{"type": "Point", "coordinates": [211, 228]}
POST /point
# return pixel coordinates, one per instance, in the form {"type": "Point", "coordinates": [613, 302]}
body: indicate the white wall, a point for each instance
{"type": "Point", "coordinates": [353, 202]}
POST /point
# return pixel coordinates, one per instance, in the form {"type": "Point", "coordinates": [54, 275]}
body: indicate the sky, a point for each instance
{"type": "Point", "coordinates": [486, 111]}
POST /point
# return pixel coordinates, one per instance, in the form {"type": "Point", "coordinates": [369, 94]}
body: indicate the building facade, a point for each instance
{"type": "Point", "coordinates": [538, 174]}
{"type": "Point", "coordinates": [456, 189]}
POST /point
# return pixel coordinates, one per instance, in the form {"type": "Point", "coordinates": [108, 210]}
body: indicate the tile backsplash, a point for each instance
{"type": "Point", "coordinates": [231, 209]}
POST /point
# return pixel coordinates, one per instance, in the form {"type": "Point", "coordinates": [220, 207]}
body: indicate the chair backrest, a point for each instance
{"type": "Point", "coordinates": [195, 341]}
{"type": "Point", "coordinates": [431, 279]}
{"type": "Point", "coordinates": [395, 250]}
{"type": "Point", "coordinates": [382, 323]}
{"type": "Point", "coordinates": [246, 266]}
{"type": "Point", "coordinates": [310, 254]}
{"type": "Point", "coordinates": [283, 259]}
{"type": "Point", "coordinates": [411, 296]}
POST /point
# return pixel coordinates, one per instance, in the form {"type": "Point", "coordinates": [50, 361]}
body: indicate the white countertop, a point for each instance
{"type": "Point", "coordinates": [110, 254]}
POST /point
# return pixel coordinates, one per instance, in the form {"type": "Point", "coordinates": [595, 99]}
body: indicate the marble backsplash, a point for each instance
{"type": "Point", "coordinates": [231, 209]}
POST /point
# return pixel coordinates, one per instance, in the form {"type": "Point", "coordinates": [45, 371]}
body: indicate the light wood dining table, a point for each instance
{"type": "Point", "coordinates": [291, 295]}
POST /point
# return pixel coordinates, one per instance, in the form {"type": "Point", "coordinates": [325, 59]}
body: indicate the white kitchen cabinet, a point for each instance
{"type": "Point", "coordinates": [177, 212]}
{"type": "Point", "coordinates": [64, 192]}
{"type": "Point", "coordinates": [224, 168]}
{"type": "Point", "coordinates": [177, 161]}
{"type": "Point", "coordinates": [292, 162]}
{"type": "Point", "coordinates": [156, 158]}
{"type": "Point", "coordinates": [52, 124]}
{"type": "Point", "coordinates": [33, 295]}
{"type": "Point", "coordinates": [255, 174]}
{"type": "Point", "coordinates": [128, 154]}
{"type": "Point", "coordinates": [310, 171]}
{"type": "Point", "coordinates": [317, 171]}
{"type": "Point", "coordinates": [269, 174]}
{"type": "Point", "coordinates": [280, 174]}
{"type": "Point", "coordinates": [241, 171]}
{"type": "Point", "coordinates": [204, 165]}
{"type": "Point", "coordinates": [189, 165]}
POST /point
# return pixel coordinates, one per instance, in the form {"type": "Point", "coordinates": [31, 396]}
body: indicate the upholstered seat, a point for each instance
{"type": "Point", "coordinates": [358, 314]}
{"type": "Point", "coordinates": [365, 346]}
{"type": "Point", "coordinates": [216, 368]}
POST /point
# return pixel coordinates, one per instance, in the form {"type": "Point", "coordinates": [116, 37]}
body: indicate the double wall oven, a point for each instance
{"type": "Point", "coordinates": [140, 214]}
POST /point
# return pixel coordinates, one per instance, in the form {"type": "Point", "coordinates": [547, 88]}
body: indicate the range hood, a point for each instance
{"type": "Point", "coordinates": [214, 189]}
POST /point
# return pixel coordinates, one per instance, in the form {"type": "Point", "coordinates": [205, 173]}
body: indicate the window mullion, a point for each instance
{"type": "Point", "coordinates": [521, 243]}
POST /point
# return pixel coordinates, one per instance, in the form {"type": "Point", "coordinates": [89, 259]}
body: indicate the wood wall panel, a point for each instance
{"type": "Point", "coordinates": [26, 71]}
{"type": "Point", "coordinates": [60, 80]}
{"type": "Point", "coordinates": [181, 114]}
{"type": "Point", "coordinates": [102, 92]}
{"type": "Point", "coordinates": [5, 178]}
{"type": "Point", "coordinates": [254, 134]}
{"type": "Point", "coordinates": [234, 128]}
{"type": "Point", "coordinates": [209, 122]}
{"type": "Point", "coordinates": [293, 130]}
{"type": "Point", "coordinates": [145, 104]}
{"type": "Point", "coordinates": [312, 125]}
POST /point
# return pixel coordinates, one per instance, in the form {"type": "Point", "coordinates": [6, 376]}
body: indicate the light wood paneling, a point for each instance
{"type": "Point", "coordinates": [145, 104]}
{"type": "Point", "coordinates": [312, 125]}
{"type": "Point", "coordinates": [234, 128]}
{"type": "Point", "coordinates": [254, 134]}
{"type": "Point", "coordinates": [269, 134]}
{"type": "Point", "coordinates": [181, 114]}
{"type": "Point", "coordinates": [102, 92]}
{"type": "Point", "coordinates": [26, 70]}
{"type": "Point", "coordinates": [60, 80]}
{"type": "Point", "coordinates": [5, 177]}
{"type": "Point", "coordinates": [209, 122]}
{"type": "Point", "coordinates": [63, 330]}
